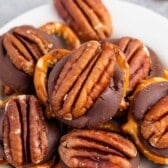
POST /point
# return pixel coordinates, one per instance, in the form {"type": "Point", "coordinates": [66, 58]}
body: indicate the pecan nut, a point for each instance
{"type": "Point", "coordinates": [155, 123]}
{"type": "Point", "coordinates": [85, 88]}
{"type": "Point", "coordinates": [25, 44]}
{"type": "Point", "coordinates": [26, 133]}
{"type": "Point", "coordinates": [137, 56]}
{"type": "Point", "coordinates": [89, 19]}
{"type": "Point", "coordinates": [95, 148]}
{"type": "Point", "coordinates": [83, 78]}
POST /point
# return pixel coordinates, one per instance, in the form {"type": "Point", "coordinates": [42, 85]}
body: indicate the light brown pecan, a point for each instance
{"type": "Point", "coordinates": [155, 124]}
{"type": "Point", "coordinates": [24, 45]}
{"type": "Point", "coordinates": [137, 56]}
{"type": "Point", "coordinates": [84, 77]}
{"type": "Point", "coordinates": [93, 148]}
{"type": "Point", "coordinates": [89, 19]}
{"type": "Point", "coordinates": [26, 134]}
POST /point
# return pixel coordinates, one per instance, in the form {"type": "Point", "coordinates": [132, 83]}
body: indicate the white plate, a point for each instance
{"type": "Point", "coordinates": [128, 20]}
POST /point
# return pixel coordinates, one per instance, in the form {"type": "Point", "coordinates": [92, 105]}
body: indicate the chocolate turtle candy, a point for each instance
{"type": "Point", "coordinates": [143, 62]}
{"type": "Point", "coordinates": [20, 48]}
{"type": "Point", "coordinates": [148, 119]}
{"type": "Point", "coordinates": [27, 137]}
{"type": "Point", "coordinates": [97, 149]}
{"type": "Point", "coordinates": [85, 88]}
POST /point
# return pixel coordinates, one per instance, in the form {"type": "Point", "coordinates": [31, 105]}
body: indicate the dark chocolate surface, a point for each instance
{"type": "Point", "coordinates": [105, 106]}
{"type": "Point", "coordinates": [157, 69]}
{"type": "Point", "coordinates": [135, 162]}
{"type": "Point", "coordinates": [147, 97]}
{"type": "Point", "coordinates": [53, 139]}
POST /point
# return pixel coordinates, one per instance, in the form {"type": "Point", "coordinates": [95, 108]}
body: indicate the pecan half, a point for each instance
{"type": "Point", "coordinates": [93, 148]}
{"type": "Point", "coordinates": [154, 126]}
{"type": "Point", "coordinates": [25, 44]}
{"type": "Point", "coordinates": [137, 56]}
{"type": "Point", "coordinates": [84, 77]}
{"type": "Point", "coordinates": [89, 19]}
{"type": "Point", "coordinates": [25, 131]}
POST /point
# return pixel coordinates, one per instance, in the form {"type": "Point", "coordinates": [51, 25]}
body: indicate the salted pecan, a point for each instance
{"type": "Point", "coordinates": [96, 149]}
{"type": "Point", "coordinates": [89, 19]}
{"type": "Point", "coordinates": [137, 56]}
{"type": "Point", "coordinates": [27, 136]}
{"type": "Point", "coordinates": [84, 77]}
{"type": "Point", "coordinates": [25, 44]}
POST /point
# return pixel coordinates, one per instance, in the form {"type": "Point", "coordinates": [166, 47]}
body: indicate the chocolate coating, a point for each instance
{"type": "Point", "coordinates": [157, 69]}
{"type": "Point", "coordinates": [147, 97]}
{"type": "Point", "coordinates": [142, 102]}
{"type": "Point", "coordinates": [9, 74]}
{"type": "Point", "coordinates": [105, 106]}
{"type": "Point", "coordinates": [53, 139]}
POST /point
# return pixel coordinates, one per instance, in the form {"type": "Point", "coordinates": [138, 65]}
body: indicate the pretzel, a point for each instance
{"type": "Point", "coordinates": [41, 69]}
{"type": "Point", "coordinates": [166, 73]}
{"type": "Point", "coordinates": [64, 31]}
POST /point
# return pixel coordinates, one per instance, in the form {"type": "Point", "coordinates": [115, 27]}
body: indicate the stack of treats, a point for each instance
{"type": "Point", "coordinates": [75, 97]}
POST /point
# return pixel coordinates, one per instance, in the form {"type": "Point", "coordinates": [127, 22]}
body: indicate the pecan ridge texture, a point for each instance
{"type": "Point", "coordinates": [26, 44]}
{"type": "Point", "coordinates": [138, 58]}
{"type": "Point", "coordinates": [84, 77]}
{"type": "Point", "coordinates": [154, 126]}
{"type": "Point", "coordinates": [24, 131]}
{"type": "Point", "coordinates": [89, 19]}
{"type": "Point", "coordinates": [95, 148]}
